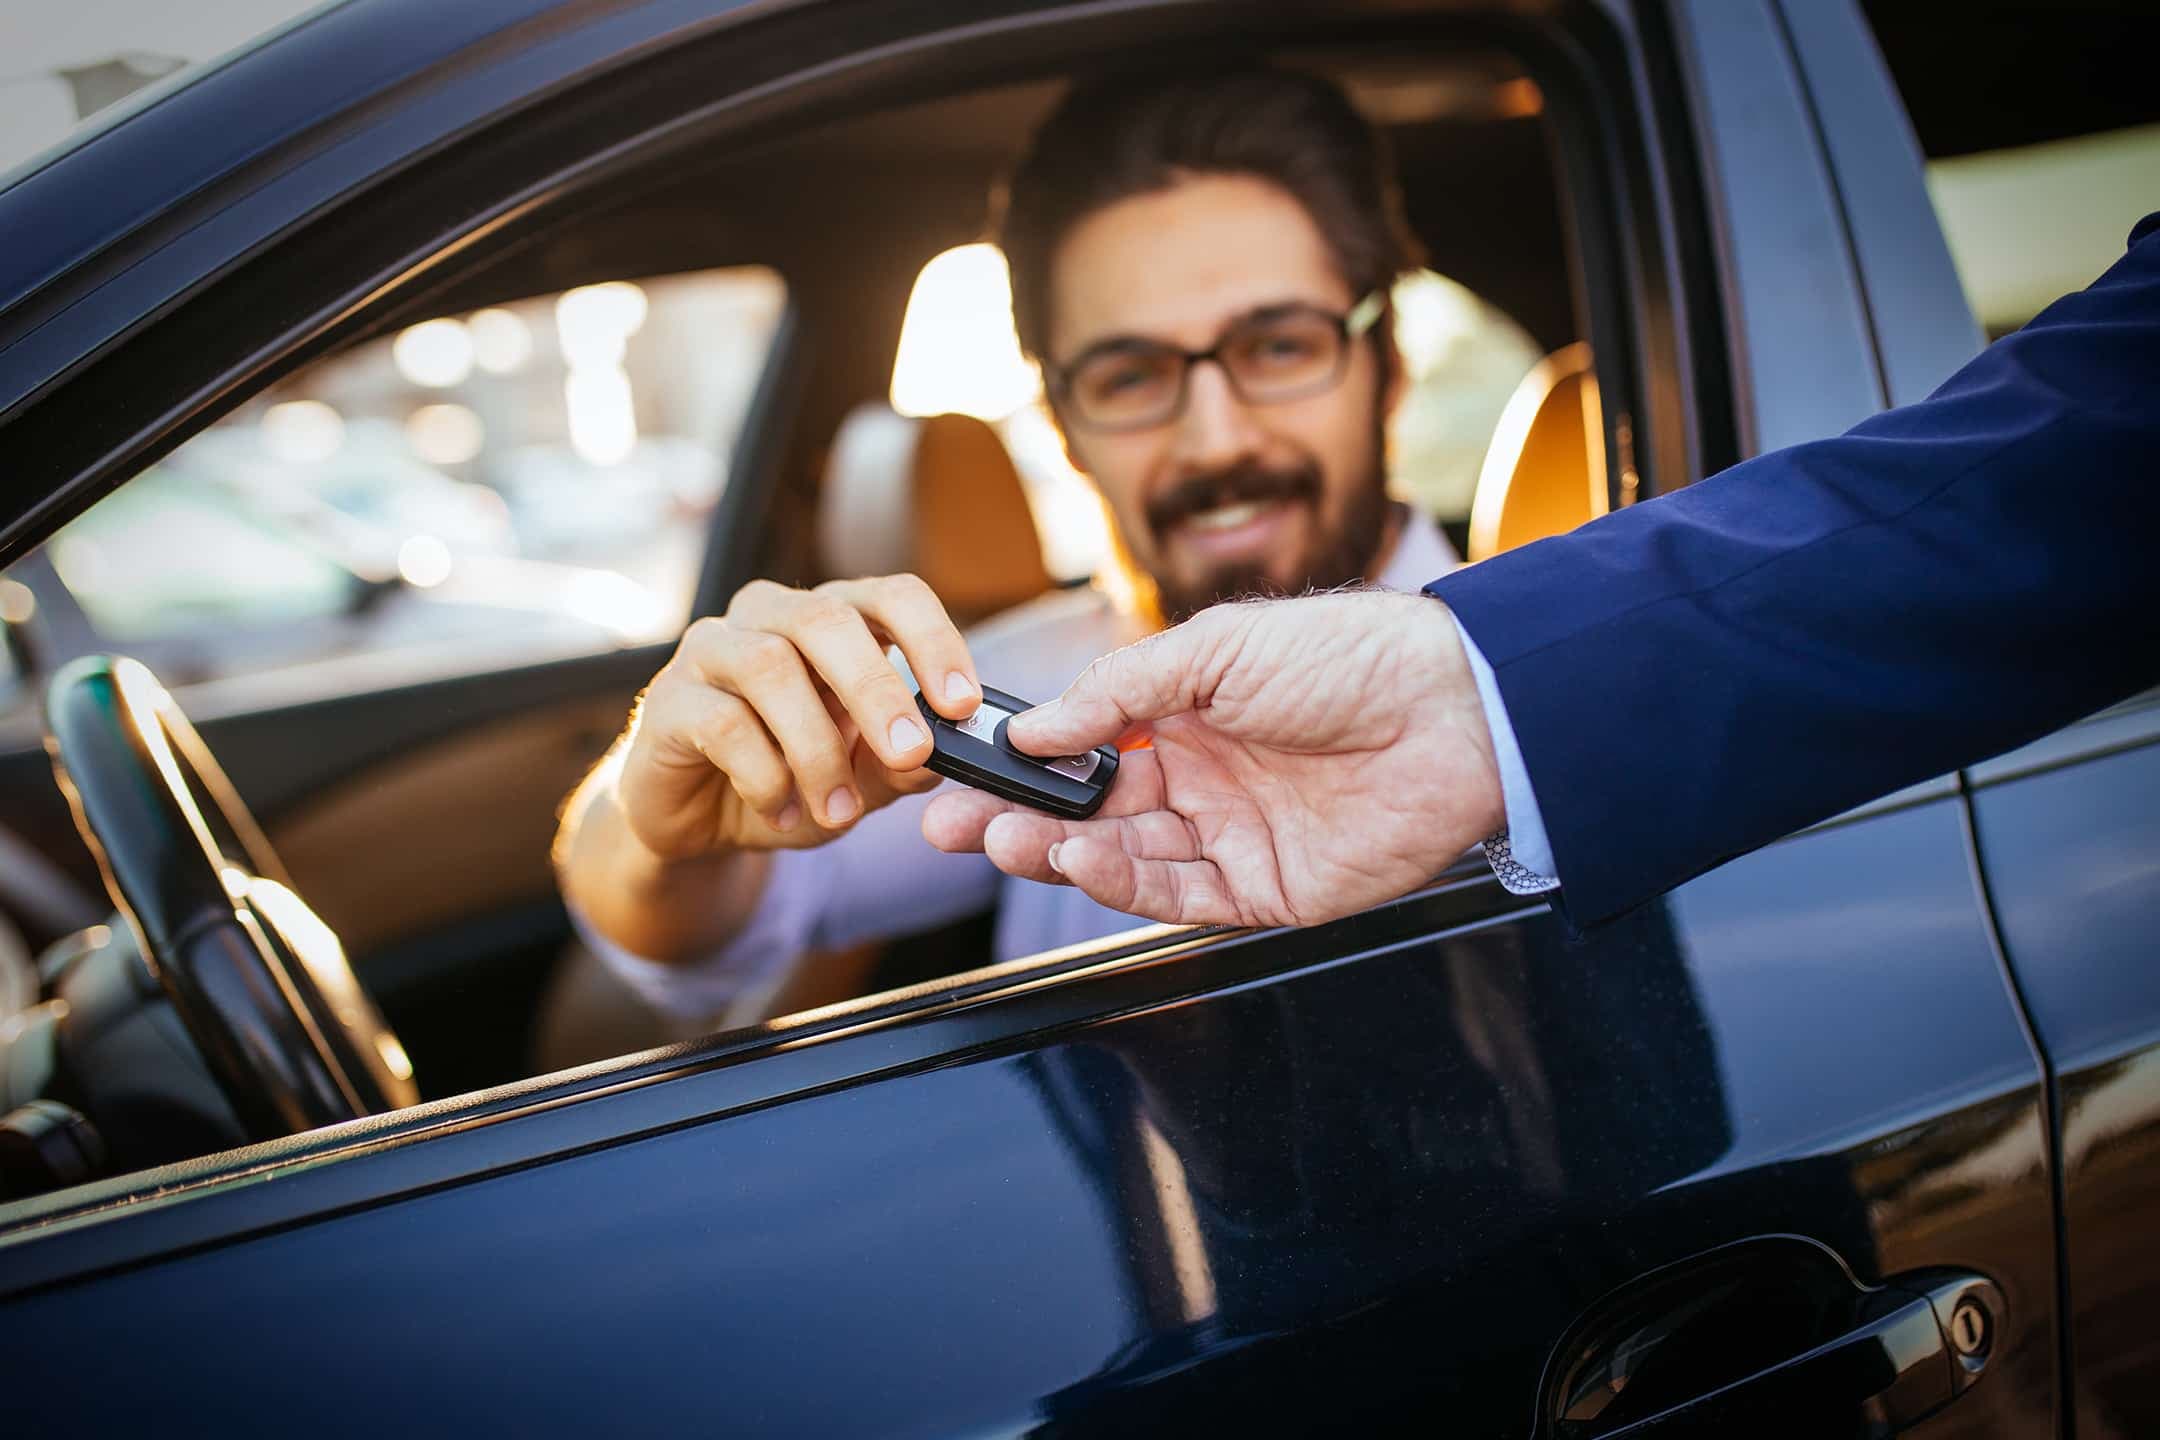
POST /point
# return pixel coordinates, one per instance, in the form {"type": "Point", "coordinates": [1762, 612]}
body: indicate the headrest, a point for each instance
{"type": "Point", "coordinates": [1544, 473]}
{"type": "Point", "coordinates": [937, 497]}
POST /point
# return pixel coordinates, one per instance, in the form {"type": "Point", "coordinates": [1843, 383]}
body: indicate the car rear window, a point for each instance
{"type": "Point", "coordinates": [2041, 127]}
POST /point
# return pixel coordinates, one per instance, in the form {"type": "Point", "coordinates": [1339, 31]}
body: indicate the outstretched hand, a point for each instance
{"type": "Point", "coordinates": [1309, 758]}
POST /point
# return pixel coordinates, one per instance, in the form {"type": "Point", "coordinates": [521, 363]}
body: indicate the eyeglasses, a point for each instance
{"type": "Point", "coordinates": [1284, 352]}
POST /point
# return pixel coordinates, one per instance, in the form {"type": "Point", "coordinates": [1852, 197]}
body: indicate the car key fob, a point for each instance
{"type": "Point", "coordinates": [975, 752]}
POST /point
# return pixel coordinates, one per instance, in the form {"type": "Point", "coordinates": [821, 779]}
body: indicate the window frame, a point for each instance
{"type": "Point", "coordinates": [1614, 150]}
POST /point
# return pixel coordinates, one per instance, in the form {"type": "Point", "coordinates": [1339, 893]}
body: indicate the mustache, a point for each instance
{"type": "Point", "coordinates": [1240, 484]}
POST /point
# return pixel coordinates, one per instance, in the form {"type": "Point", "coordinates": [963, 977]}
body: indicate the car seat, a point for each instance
{"type": "Point", "coordinates": [937, 497]}
{"type": "Point", "coordinates": [1544, 473]}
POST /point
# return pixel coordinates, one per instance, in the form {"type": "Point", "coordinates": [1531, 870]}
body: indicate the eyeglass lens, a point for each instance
{"type": "Point", "coordinates": [1276, 357]}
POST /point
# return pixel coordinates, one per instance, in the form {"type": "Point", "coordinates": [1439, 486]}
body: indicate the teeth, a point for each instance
{"type": "Point", "coordinates": [1228, 517]}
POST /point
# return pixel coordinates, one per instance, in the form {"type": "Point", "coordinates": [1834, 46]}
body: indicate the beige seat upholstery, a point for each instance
{"type": "Point", "coordinates": [937, 497]}
{"type": "Point", "coordinates": [1544, 473]}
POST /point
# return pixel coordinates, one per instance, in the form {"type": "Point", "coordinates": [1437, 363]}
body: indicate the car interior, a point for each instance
{"type": "Point", "coordinates": [415, 818]}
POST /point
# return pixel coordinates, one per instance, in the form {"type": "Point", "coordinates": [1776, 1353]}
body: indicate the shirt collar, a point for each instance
{"type": "Point", "coordinates": [1422, 555]}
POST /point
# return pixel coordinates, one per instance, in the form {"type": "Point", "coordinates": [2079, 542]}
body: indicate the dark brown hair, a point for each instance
{"type": "Point", "coordinates": [1136, 133]}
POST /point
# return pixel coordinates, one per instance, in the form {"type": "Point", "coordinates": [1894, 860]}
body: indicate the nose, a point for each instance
{"type": "Point", "coordinates": [1216, 430]}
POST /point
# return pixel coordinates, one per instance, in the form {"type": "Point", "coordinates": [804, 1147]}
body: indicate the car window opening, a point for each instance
{"type": "Point", "coordinates": [531, 477]}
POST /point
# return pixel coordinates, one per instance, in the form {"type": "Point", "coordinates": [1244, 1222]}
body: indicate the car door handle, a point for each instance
{"type": "Point", "coordinates": [1887, 1374]}
{"type": "Point", "coordinates": [1674, 1356]}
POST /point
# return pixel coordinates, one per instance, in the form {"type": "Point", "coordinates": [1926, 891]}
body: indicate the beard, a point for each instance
{"type": "Point", "coordinates": [1340, 553]}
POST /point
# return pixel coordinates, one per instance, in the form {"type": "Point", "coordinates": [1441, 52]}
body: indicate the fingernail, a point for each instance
{"type": "Point", "coordinates": [1053, 857]}
{"type": "Point", "coordinates": [789, 818]}
{"type": "Point", "coordinates": [958, 688]}
{"type": "Point", "coordinates": [840, 806]}
{"type": "Point", "coordinates": [905, 734]}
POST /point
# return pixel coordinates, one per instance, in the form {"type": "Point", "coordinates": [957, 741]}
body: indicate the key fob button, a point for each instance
{"type": "Point", "coordinates": [983, 724]}
{"type": "Point", "coordinates": [1079, 767]}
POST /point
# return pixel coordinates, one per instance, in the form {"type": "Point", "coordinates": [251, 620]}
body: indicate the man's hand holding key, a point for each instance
{"type": "Point", "coordinates": [782, 722]}
{"type": "Point", "coordinates": [1308, 758]}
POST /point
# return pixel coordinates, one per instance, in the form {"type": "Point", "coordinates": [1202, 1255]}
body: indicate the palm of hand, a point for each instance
{"type": "Point", "coordinates": [1304, 834]}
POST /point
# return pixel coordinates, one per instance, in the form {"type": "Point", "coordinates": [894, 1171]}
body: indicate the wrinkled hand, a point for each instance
{"type": "Point", "coordinates": [1310, 758]}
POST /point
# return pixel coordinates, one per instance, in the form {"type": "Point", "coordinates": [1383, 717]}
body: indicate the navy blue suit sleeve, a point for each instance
{"type": "Point", "coordinates": [1701, 674]}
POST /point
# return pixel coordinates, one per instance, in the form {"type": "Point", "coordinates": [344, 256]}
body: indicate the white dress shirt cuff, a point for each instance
{"type": "Point", "coordinates": [1520, 854]}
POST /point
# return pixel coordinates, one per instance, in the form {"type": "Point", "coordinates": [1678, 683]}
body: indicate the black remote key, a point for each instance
{"type": "Point", "coordinates": [975, 752]}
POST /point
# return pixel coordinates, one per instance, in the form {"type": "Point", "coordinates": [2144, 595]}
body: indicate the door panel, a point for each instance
{"type": "Point", "coordinates": [1367, 1187]}
{"type": "Point", "coordinates": [2072, 856]}
{"type": "Point", "coordinates": [371, 852]}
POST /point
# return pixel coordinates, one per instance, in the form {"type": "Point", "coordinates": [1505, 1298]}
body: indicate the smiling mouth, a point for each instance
{"type": "Point", "coordinates": [1229, 517]}
{"type": "Point", "coordinates": [1240, 533]}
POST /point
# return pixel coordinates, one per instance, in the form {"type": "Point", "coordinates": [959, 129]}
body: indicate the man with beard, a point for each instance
{"type": "Point", "coordinates": [1202, 268]}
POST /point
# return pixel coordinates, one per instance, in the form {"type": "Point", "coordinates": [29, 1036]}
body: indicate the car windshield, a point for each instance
{"type": "Point", "coordinates": [70, 68]}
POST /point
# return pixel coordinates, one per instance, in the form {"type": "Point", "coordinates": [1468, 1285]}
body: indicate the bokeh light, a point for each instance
{"type": "Point", "coordinates": [445, 434]}
{"type": "Point", "coordinates": [602, 414]}
{"type": "Point", "coordinates": [302, 432]}
{"type": "Point", "coordinates": [424, 562]}
{"type": "Point", "coordinates": [594, 324]}
{"type": "Point", "coordinates": [594, 321]}
{"type": "Point", "coordinates": [434, 353]}
{"type": "Point", "coordinates": [502, 341]}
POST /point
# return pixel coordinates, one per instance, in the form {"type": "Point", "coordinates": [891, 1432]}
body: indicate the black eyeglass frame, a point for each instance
{"type": "Point", "coordinates": [1353, 326]}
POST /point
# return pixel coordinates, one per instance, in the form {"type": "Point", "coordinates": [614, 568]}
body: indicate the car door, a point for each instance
{"type": "Point", "coordinates": [2063, 829]}
{"type": "Point", "coordinates": [1770, 1152]}
{"type": "Point", "coordinates": [2067, 833]}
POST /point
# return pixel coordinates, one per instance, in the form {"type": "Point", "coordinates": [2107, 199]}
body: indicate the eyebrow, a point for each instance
{"type": "Point", "coordinates": [1121, 344]}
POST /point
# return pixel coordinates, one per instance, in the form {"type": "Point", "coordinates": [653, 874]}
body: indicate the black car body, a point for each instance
{"type": "Point", "coordinates": [1850, 1136]}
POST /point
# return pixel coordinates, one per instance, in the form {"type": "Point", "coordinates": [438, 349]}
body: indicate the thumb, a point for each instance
{"type": "Point", "coordinates": [1160, 676]}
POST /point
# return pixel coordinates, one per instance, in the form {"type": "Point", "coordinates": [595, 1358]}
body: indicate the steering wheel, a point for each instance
{"type": "Point", "coordinates": [259, 980]}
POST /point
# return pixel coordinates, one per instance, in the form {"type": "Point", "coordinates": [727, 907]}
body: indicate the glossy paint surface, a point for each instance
{"type": "Point", "coordinates": [2073, 859]}
{"type": "Point", "coordinates": [1366, 1191]}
